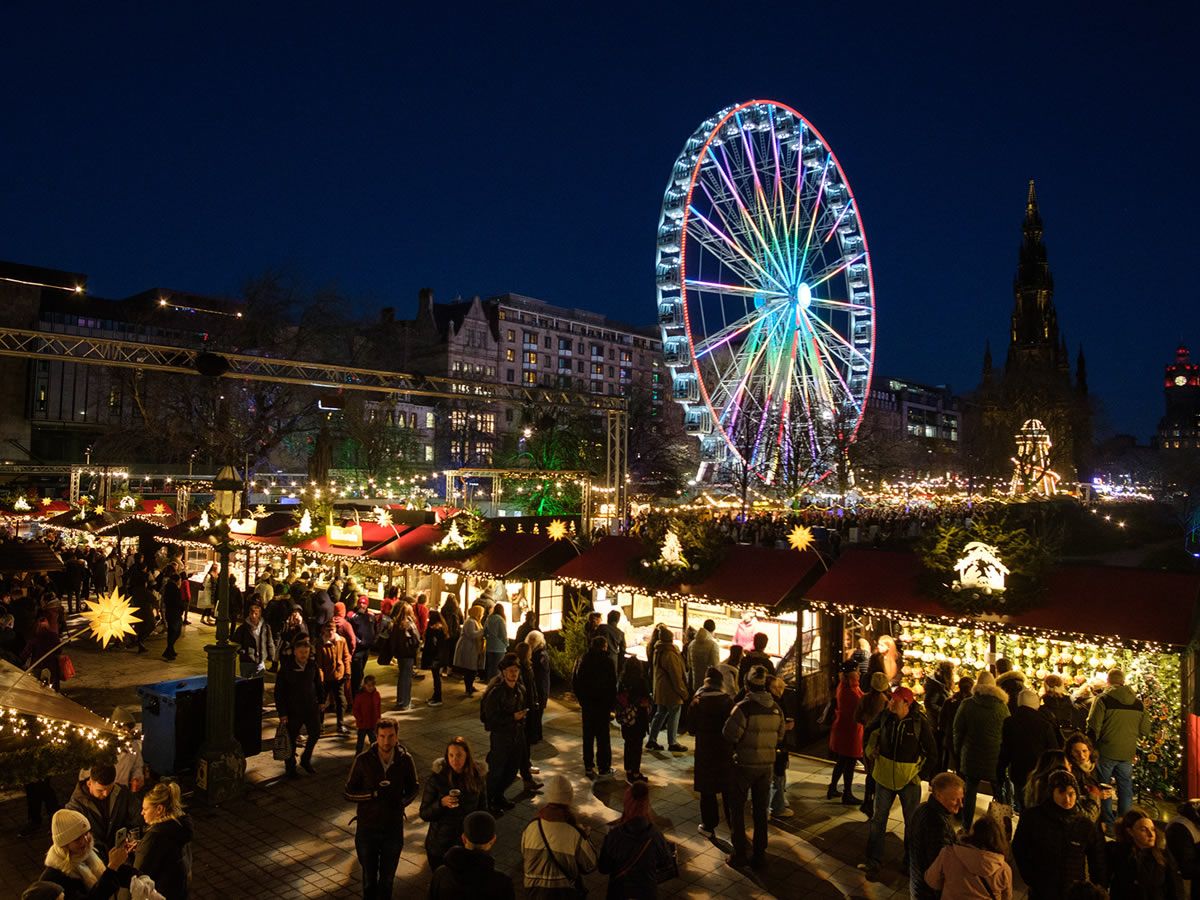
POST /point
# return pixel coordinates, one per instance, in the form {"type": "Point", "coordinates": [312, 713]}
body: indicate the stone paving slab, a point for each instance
{"type": "Point", "coordinates": [293, 838]}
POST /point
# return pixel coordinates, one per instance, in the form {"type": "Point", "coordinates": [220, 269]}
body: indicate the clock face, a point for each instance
{"type": "Point", "coordinates": [1180, 380]}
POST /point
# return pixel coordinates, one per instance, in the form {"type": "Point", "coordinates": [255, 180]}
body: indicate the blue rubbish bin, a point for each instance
{"type": "Point", "coordinates": [173, 714]}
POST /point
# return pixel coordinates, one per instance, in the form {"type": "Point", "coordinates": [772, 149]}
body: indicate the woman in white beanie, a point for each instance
{"type": "Point", "coordinates": [555, 846]}
{"type": "Point", "coordinates": [73, 865]}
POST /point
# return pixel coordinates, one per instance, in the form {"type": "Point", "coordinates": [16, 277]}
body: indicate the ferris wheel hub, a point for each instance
{"type": "Point", "coordinates": [804, 295]}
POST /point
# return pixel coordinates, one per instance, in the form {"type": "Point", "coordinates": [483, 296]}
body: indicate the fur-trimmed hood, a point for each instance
{"type": "Point", "coordinates": [1008, 679]}
{"type": "Point", "coordinates": [990, 690]}
{"type": "Point", "coordinates": [439, 766]}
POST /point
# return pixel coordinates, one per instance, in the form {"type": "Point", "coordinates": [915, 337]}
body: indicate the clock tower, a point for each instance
{"type": "Point", "coordinates": [1180, 427]}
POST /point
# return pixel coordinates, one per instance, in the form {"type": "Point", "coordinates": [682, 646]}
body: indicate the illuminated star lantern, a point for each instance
{"type": "Point", "coordinates": [800, 538]}
{"type": "Point", "coordinates": [382, 517]}
{"type": "Point", "coordinates": [110, 617]}
{"type": "Point", "coordinates": [556, 530]}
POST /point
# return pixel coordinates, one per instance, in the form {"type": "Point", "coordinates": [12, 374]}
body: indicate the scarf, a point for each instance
{"type": "Point", "coordinates": [87, 868]}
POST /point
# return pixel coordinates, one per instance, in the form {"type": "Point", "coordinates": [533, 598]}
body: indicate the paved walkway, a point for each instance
{"type": "Point", "coordinates": [292, 839]}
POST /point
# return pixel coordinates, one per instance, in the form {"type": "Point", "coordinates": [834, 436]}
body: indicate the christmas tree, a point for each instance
{"type": "Point", "coordinates": [1159, 761]}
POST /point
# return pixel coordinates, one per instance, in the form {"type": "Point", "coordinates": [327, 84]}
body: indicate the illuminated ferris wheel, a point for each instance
{"type": "Point", "coordinates": [765, 296]}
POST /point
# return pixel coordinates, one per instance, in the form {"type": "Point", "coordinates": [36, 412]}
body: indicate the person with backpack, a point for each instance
{"type": "Point", "coordinates": [383, 781]}
{"type": "Point", "coordinates": [502, 712]}
{"type": "Point", "coordinates": [1064, 715]}
{"type": "Point", "coordinates": [406, 644]}
{"type": "Point", "coordinates": [755, 727]}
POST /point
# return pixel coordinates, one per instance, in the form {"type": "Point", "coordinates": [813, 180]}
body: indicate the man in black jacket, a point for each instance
{"type": "Point", "coordinates": [172, 605]}
{"type": "Point", "coordinates": [595, 687]}
{"type": "Point", "coordinates": [383, 781]}
{"type": "Point", "coordinates": [934, 825]}
{"type": "Point", "coordinates": [300, 700]}
{"type": "Point", "coordinates": [503, 711]}
{"type": "Point", "coordinates": [469, 870]}
{"type": "Point", "coordinates": [364, 636]}
{"type": "Point", "coordinates": [1055, 845]}
{"type": "Point", "coordinates": [106, 805]}
{"type": "Point", "coordinates": [612, 633]}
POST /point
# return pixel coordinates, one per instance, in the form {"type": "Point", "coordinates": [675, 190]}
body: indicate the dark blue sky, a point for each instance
{"type": "Point", "coordinates": [525, 147]}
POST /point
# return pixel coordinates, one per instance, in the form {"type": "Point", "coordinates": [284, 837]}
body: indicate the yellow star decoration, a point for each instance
{"type": "Point", "coordinates": [556, 530]}
{"type": "Point", "coordinates": [800, 538]}
{"type": "Point", "coordinates": [46, 501]}
{"type": "Point", "coordinates": [110, 617]}
{"type": "Point", "coordinates": [159, 509]}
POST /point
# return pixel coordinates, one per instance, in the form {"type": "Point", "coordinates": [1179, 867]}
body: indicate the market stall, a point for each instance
{"type": "Point", "coordinates": [516, 569]}
{"type": "Point", "coordinates": [1087, 620]}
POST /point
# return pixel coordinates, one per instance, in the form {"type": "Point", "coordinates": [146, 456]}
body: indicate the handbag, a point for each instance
{"type": "Point", "coordinates": [66, 668]}
{"type": "Point", "coordinates": [283, 749]}
{"type": "Point", "coordinates": [1003, 814]}
{"type": "Point", "coordinates": [577, 883]}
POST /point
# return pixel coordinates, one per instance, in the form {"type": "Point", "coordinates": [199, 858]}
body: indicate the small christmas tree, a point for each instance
{"type": "Point", "coordinates": [305, 526]}
{"type": "Point", "coordinates": [672, 551]}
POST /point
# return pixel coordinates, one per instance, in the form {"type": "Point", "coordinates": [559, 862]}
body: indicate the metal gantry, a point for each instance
{"type": "Point", "coordinates": [31, 344]}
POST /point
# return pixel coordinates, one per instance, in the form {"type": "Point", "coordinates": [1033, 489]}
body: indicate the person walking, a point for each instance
{"type": "Point", "coordinates": [595, 687]}
{"type": "Point", "coordinates": [469, 870]}
{"type": "Point", "coordinates": [468, 652]}
{"type": "Point", "coordinates": [294, 630]}
{"type": "Point", "coordinates": [435, 654]}
{"type": "Point", "coordinates": [406, 644]}
{"type": "Point", "coordinates": [172, 606]}
{"type": "Point", "coordinates": [453, 791]}
{"type": "Point", "coordinates": [1117, 720]}
{"type": "Point", "coordinates": [163, 853]}
{"type": "Point", "coordinates": [670, 693]}
{"type": "Point", "coordinates": [615, 638]}
{"type": "Point", "coordinates": [707, 714]}
{"type": "Point", "coordinates": [333, 659]}
{"type": "Point", "coordinates": [106, 805]}
{"type": "Point", "coordinates": [1138, 864]}
{"type": "Point", "coordinates": [367, 708]}
{"type": "Point", "coordinates": [364, 639]}
{"type": "Point", "coordinates": [975, 868]}
{"type": "Point", "coordinates": [978, 731]}
{"type": "Point", "coordinates": [634, 850]}
{"type": "Point", "coordinates": [73, 865]}
{"type": "Point", "coordinates": [1055, 846]}
{"type": "Point", "coordinates": [632, 710]}
{"type": "Point", "coordinates": [555, 848]}
{"type": "Point", "coordinates": [899, 741]}
{"type": "Point", "coordinates": [452, 616]}
{"type": "Point", "coordinates": [846, 735]}
{"type": "Point", "coordinates": [1025, 736]}
{"type": "Point", "coordinates": [754, 728]}
{"type": "Point", "coordinates": [870, 706]}
{"type": "Point", "coordinates": [256, 648]}
{"type": "Point", "coordinates": [503, 711]}
{"type": "Point", "coordinates": [495, 632]}
{"type": "Point", "coordinates": [300, 699]}
{"type": "Point", "coordinates": [382, 781]}
{"type": "Point", "coordinates": [933, 826]}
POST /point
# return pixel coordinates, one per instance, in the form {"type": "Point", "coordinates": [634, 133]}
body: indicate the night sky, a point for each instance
{"type": "Point", "coordinates": [525, 147]}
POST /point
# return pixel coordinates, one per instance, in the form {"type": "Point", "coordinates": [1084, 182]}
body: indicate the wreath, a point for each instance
{"type": "Point", "coordinates": [1026, 556]}
{"type": "Point", "coordinates": [679, 549]}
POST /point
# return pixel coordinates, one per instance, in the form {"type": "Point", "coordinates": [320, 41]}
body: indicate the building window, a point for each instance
{"type": "Point", "coordinates": [564, 363]}
{"type": "Point", "coordinates": [508, 415]}
{"type": "Point", "coordinates": [530, 338]}
{"type": "Point", "coordinates": [564, 345]}
{"type": "Point", "coordinates": [429, 420]}
{"type": "Point", "coordinates": [550, 605]}
{"type": "Point", "coordinates": [547, 343]}
{"type": "Point", "coordinates": [579, 367]}
{"type": "Point", "coordinates": [529, 377]}
{"type": "Point", "coordinates": [597, 368]}
{"type": "Point", "coordinates": [509, 375]}
{"type": "Point", "coordinates": [512, 335]}
{"type": "Point", "coordinates": [626, 356]}
{"type": "Point", "coordinates": [611, 372]}
{"type": "Point", "coordinates": [510, 355]}
{"type": "Point", "coordinates": [531, 358]}
{"type": "Point", "coordinates": [429, 453]}
{"type": "Point", "coordinates": [597, 350]}
{"type": "Point", "coordinates": [612, 354]}
{"type": "Point", "coordinates": [579, 349]}
{"type": "Point", "coordinates": [810, 642]}
{"type": "Point", "coordinates": [546, 361]}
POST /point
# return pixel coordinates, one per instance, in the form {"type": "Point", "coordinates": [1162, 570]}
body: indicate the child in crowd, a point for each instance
{"type": "Point", "coordinates": [368, 708]}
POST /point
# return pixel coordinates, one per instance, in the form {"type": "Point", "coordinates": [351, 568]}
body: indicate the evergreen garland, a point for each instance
{"type": "Point", "coordinates": [702, 544]}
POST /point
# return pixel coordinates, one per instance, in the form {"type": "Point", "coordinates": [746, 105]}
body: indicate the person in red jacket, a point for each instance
{"type": "Point", "coordinates": [846, 736]}
{"type": "Point", "coordinates": [421, 614]}
{"type": "Point", "coordinates": [368, 710]}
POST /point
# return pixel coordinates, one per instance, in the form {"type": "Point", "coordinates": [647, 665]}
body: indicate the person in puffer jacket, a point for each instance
{"type": "Point", "coordinates": [975, 868]}
{"type": "Point", "coordinates": [978, 733]}
{"type": "Point", "coordinates": [899, 741]}
{"type": "Point", "coordinates": [1116, 721]}
{"type": "Point", "coordinates": [754, 728]}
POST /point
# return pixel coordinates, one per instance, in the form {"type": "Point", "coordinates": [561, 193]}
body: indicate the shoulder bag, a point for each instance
{"type": "Point", "coordinates": [577, 881]}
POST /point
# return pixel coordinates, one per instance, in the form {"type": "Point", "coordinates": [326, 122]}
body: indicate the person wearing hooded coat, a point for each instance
{"type": "Point", "coordinates": [1026, 735]}
{"type": "Point", "coordinates": [446, 822]}
{"type": "Point", "coordinates": [978, 731]}
{"type": "Point", "coordinates": [73, 865]}
{"type": "Point", "coordinates": [1055, 845]}
{"type": "Point", "coordinates": [707, 714]}
{"type": "Point", "coordinates": [846, 735]}
{"type": "Point", "coordinates": [1011, 681]}
{"type": "Point", "coordinates": [974, 868]}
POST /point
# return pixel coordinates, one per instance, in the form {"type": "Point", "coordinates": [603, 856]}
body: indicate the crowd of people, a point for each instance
{"type": "Point", "coordinates": [1059, 769]}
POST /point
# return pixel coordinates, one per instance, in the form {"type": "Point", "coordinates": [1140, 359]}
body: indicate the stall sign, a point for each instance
{"type": "Point", "coordinates": [244, 526]}
{"type": "Point", "coordinates": [349, 536]}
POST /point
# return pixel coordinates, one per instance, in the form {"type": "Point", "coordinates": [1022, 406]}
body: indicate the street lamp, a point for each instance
{"type": "Point", "coordinates": [222, 766]}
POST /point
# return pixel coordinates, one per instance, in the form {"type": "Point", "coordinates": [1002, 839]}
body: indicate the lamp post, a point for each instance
{"type": "Point", "coordinates": [221, 769]}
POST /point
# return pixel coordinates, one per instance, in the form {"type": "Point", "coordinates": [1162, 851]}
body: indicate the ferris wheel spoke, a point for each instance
{"type": "Point", "coordinates": [829, 303]}
{"type": "Point", "coordinates": [750, 224]}
{"type": "Point", "coordinates": [839, 267]}
{"type": "Point", "coordinates": [725, 335]}
{"type": "Point", "coordinates": [718, 248]}
{"type": "Point", "coordinates": [812, 215]}
{"type": "Point", "coordinates": [736, 248]}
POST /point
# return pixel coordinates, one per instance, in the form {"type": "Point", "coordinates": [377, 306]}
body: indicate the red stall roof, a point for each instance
{"type": "Point", "coordinates": [505, 553]}
{"type": "Point", "coordinates": [609, 562]}
{"type": "Point", "coordinates": [1114, 602]}
{"type": "Point", "coordinates": [412, 548]}
{"type": "Point", "coordinates": [758, 576]}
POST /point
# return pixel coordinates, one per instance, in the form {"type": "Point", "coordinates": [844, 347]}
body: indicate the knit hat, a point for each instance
{"type": "Point", "coordinates": [1029, 698]}
{"type": "Point", "coordinates": [479, 827]}
{"type": "Point", "coordinates": [339, 609]}
{"type": "Point", "coordinates": [713, 677]}
{"type": "Point", "coordinates": [879, 682]}
{"type": "Point", "coordinates": [850, 666]}
{"type": "Point", "coordinates": [507, 660]}
{"type": "Point", "coordinates": [558, 790]}
{"type": "Point", "coordinates": [67, 825]}
{"type": "Point", "coordinates": [43, 890]}
{"type": "Point", "coordinates": [904, 694]}
{"type": "Point", "coordinates": [757, 677]}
